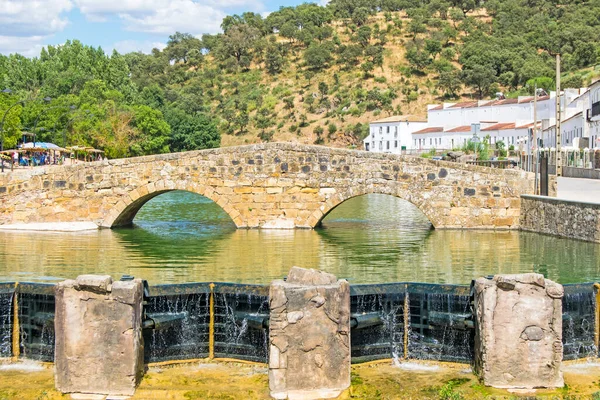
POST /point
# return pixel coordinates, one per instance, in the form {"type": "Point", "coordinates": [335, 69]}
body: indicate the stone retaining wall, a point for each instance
{"type": "Point", "coordinates": [275, 185]}
{"type": "Point", "coordinates": [565, 218]}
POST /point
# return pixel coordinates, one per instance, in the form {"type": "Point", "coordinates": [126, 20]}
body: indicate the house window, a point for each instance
{"type": "Point", "coordinates": [396, 133]}
{"type": "Point", "coordinates": [380, 130]}
{"type": "Point", "coordinates": [388, 145]}
{"type": "Point", "coordinates": [388, 130]}
{"type": "Point", "coordinates": [395, 144]}
{"type": "Point", "coordinates": [367, 146]}
{"type": "Point", "coordinates": [430, 141]}
{"type": "Point", "coordinates": [380, 145]}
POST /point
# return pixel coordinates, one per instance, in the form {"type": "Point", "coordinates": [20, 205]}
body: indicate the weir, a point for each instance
{"type": "Point", "coordinates": [398, 321]}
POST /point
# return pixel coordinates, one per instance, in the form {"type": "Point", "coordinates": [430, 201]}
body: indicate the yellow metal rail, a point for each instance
{"type": "Point", "coordinates": [597, 319]}
{"type": "Point", "coordinates": [16, 330]}
{"type": "Point", "coordinates": [211, 323]}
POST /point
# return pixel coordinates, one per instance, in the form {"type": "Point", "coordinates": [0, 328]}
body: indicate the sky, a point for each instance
{"type": "Point", "coordinates": [125, 25]}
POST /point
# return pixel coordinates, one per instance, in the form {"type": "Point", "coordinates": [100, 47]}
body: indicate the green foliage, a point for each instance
{"type": "Point", "coordinates": [191, 131]}
{"type": "Point", "coordinates": [331, 128]}
{"type": "Point", "coordinates": [448, 391]}
{"type": "Point", "coordinates": [188, 94]}
{"type": "Point", "coordinates": [317, 56]}
{"type": "Point", "coordinates": [154, 129]}
{"type": "Point", "coordinates": [501, 147]}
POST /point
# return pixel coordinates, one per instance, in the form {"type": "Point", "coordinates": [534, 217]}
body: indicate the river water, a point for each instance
{"type": "Point", "coordinates": [182, 237]}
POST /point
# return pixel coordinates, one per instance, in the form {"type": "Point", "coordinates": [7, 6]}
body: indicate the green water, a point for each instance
{"type": "Point", "coordinates": [182, 237]}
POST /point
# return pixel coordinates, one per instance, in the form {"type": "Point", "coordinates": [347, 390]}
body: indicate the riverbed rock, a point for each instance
{"type": "Point", "coordinates": [518, 337]}
{"type": "Point", "coordinates": [99, 345]}
{"type": "Point", "coordinates": [309, 335]}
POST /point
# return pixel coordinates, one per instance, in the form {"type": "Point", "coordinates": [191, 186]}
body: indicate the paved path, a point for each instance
{"type": "Point", "coordinates": [587, 190]}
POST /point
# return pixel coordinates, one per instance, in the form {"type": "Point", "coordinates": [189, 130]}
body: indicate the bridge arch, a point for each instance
{"type": "Point", "coordinates": [423, 205]}
{"type": "Point", "coordinates": [130, 204]}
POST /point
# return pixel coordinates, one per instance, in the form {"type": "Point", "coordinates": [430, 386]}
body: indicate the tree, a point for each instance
{"type": "Point", "coordinates": [416, 26]}
{"type": "Point", "coordinates": [479, 77]}
{"type": "Point", "coordinates": [237, 42]}
{"type": "Point", "coordinates": [323, 89]}
{"type": "Point", "coordinates": [363, 35]}
{"type": "Point", "coordinates": [154, 131]}
{"type": "Point", "coordinates": [12, 122]}
{"type": "Point", "coordinates": [449, 82]}
{"type": "Point", "coordinates": [191, 131]}
{"type": "Point", "coordinates": [360, 16]}
{"type": "Point", "coordinates": [274, 60]}
{"type": "Point", "coordinates": [433, 47]}
{"type": "Point", "coordinates": [417, 59]}
{"type": "Point", "coordinates": [183, 47]}
{"type": "Point", "coordinates": [317, 56]}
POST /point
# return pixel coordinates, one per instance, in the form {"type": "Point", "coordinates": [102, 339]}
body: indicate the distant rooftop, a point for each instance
{"type": "Point", "coordinates": [432, 129]}
{"type": "Point", "coordinates": [400, 118]}
{"type": "Point", "coordinates": [463, 128]}
{"type": "Point", "coordinates": [499, 127]}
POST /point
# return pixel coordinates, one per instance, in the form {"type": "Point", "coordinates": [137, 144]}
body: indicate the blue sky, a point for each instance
{"type": "Point", "coordinates": [126, 25]}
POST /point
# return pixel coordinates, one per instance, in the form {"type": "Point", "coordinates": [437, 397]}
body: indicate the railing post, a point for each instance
{"type": "Point", "coordinates": [211, 323]}
{"type": "Point", "coordinates": [16, 329]}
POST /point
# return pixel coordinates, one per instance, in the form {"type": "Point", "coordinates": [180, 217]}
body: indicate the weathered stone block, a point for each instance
{"type": "Point", "coordinates": [309, 336]}
{"type": "Point", "coordinates": [99, 345]}
{"type": "Point", "coordinates": [518, 337]}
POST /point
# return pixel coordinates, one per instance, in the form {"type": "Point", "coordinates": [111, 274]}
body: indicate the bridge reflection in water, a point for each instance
{"type": "Point", "coordinates": [183, 237]}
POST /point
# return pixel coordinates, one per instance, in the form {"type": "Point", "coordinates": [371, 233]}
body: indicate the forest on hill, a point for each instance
{"type": "Point", "coordinates": [309, 73]}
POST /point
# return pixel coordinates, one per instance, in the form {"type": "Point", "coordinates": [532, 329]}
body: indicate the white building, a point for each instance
{"type": "Point", "coordinates": [449, 125]}
{"type": "Point", "coordinates": [392, 134]}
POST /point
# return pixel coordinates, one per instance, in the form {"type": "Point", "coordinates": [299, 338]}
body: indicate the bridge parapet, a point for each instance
{"type": "Point", "coordinates": [275, 185]}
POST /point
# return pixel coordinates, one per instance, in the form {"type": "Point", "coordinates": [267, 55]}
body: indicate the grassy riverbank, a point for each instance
{"type": "Point", "coordinates": [220, 380]}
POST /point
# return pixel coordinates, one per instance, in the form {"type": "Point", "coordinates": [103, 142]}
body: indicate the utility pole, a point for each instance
{"type": "Point", "coordinates": [558, 135]}
{"type": "Point", "coordinates": [534, 147]}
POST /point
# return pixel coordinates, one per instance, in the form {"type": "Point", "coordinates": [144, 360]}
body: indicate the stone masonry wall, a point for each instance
{"type": "Point", "coordinates": [276, 185]}
{"type": "Point", "coordinates": [518, 335]}
{"type": "Point", "coordinates": [563, 218]}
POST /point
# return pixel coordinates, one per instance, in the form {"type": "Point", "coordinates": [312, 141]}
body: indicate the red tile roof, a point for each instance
{"type": "Point", "coordinates": [530, 125]}
{"type": "Point", "coordinates": [465, 104]}
{"type": "Point", "coordinates": [503, 102]}
{"type": "Point", "coordinates": [438, 107]}
{"type": "Point", "coordinates": [463, 128]}
{"type": "Point", "coordinates": [430, 130]}
{"type": "Point", "coordinates": [501, 126]}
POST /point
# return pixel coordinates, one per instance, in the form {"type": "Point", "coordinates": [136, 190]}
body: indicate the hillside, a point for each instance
{"type": "Point", "coordinates": [309, 74]}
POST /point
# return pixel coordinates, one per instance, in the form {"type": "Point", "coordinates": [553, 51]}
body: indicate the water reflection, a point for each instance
{"type": "Point", "coordinates": [182, 237]}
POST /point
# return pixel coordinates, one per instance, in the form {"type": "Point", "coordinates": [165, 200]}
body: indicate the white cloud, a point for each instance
{"type": "Point", "coordinates": [128, 46]}
{"type": "Point", "coordinates": [179, 15]}
{"type": "Point", "coordinates": [29, 18]}
{"type": "Point", "coordinates": [27, 46]}
{"type": "Point", "coordinates": [166, 16]}
{"type": "Point", "coordinates": [26, 25]}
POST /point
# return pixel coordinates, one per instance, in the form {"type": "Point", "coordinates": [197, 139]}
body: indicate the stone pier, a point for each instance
{"type": "Point", "coordinates": [99, 345]}
{"type": "Point", "coordinates": [518, 337]}
{"type": "Point", "coordinates": [309, 336]}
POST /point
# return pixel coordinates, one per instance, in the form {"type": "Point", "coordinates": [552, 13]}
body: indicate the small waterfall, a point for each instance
{"type": "Point", "coordinates": [578, 324]}
{"type": "Point", "coordinates": [437, 327]}
{"type": "Point", "coordinates": [181, 326]}
{"type": "Point", "coordinates": [36, 322]}
{"type": "Point", "coordinates": [377, 321]}
{"type": "Point", "coordinates": [6, 320]}
{"type": "Point", "coordinates": [241, 320]}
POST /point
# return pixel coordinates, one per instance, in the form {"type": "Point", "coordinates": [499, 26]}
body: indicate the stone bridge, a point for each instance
{"type": "Point", "coordinates": [277, 185]}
